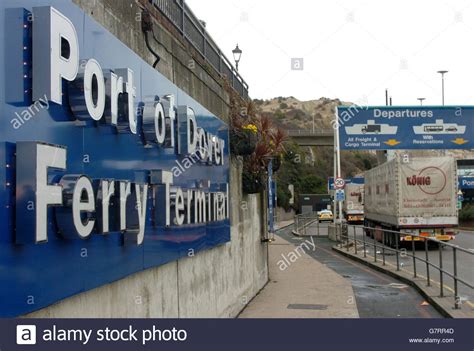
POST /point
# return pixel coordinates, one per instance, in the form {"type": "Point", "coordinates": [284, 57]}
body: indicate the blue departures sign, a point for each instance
{"type": "Point", "coordinates": [107, 167]}
{"type": "Point", "coordinates": [406, 127]}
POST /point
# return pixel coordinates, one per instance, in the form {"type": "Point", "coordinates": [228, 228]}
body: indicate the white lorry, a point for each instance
{"type": "Point", "coordinates": [412, 196]}
{"type": "Point", "coordinates": [353, 208]}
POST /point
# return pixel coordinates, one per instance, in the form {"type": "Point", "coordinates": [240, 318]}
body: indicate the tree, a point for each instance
{"type": "Point", "coordinates": [312, 184]}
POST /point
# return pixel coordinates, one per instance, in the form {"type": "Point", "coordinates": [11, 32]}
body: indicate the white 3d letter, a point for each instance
{"type": "Point", "coordinates": [55, 53]}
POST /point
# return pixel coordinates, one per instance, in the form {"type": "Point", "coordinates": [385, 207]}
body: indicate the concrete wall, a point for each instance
{"type": "Point", "coordinates": [214, 283]}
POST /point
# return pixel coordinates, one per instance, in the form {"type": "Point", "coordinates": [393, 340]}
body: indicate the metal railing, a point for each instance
{"type": "Point", "coordinates": [307, 224]}
{"type": "Point", "coordinates": [379, 248]}
{"type": "Point", "coordinates": [179, 13]}
{"type": "Point", "coordinates": [306, 132]}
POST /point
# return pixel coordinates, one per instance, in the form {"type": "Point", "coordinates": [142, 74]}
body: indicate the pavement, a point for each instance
{"type": "Point", "coordinates": [321, 283]}
{"type": "Point", "coordinates": [301, 287]}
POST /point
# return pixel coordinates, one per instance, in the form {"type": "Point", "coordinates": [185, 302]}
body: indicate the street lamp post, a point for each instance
{"type": "Point", "coordinates": [442, 84]}
{"type": "Point", "coordinates": [421, 101]}
{"type": "Point", "coordinates": [237, 53]}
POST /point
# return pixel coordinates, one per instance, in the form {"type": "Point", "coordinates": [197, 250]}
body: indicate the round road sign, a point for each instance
{"type": "Point", "coordinates": [339, 183]}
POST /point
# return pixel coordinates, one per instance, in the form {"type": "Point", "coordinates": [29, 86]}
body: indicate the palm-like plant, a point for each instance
{"type": "Point", "coordinates": [254, 137]}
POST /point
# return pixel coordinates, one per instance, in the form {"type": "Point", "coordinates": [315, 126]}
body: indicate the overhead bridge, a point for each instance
{"type": "Point", "coordinates": [304, 137]}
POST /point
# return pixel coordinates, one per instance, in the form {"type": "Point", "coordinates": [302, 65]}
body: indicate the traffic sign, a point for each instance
{"type": "Point", "coordinates": [466, 182]}
{"type": "Point", "coordinates": [340, 195]}
{"type": "Point", "coordinates": [355, 180]}
{"type": "Point", "coordinates": [405, 127]}
{"type": "Point", "coordinates": [459, 205]}
{"type": "Point", "coordinates": [339, 183]}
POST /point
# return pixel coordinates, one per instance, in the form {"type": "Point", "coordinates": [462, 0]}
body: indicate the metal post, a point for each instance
{"type": "Point", "coordinates": [338, 159]}
{"type": "Point", "coordinates": [427, 263]}
{"type": "Point", "coordinates": [413, 255]}
{"type": "Point", "coordinates": [456, 297]}
{"type": "Point", "coordinates": [396, 251]}
{"type": "Point", "coordinates": [347, 237]}
{"type": "Point", "coordinates": [355, 240]}
{"type": "Point", "coordinates": [375, 246]}
{"type": "Point", "coordinates": [442, 87]}
{"type": "Point", "coordinates": [336, 132]}
{"type": "Point", "coordinates": [363, 240]}
{"type": "Point", "coordinates": [441, 292]}
{"type": "Point", "coordinates": [383, 247]}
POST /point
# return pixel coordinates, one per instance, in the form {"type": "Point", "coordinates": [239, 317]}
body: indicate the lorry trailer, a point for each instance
{"type": "Point", "coordinates": [412, 196]}
{"type": "Point", "coordinates": [353, 208]}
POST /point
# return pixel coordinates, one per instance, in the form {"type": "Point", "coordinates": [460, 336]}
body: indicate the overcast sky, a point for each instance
{"type": "Point", "coordinates": [351, 49]}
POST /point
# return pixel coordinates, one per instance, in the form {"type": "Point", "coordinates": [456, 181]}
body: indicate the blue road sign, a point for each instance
{"type": "Point", "coordinates": [355, 180]}
{"type": "Point", "coordinates": [271, 194]}
{"type": "Point", "coordinates": [466, 182]}
{"type": "Point", "coordinates": [406, 127]}
{"type": "Point", "coordinates": [340, 195]}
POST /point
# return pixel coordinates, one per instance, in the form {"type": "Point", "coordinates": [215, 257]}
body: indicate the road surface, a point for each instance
{"type": "Point", "coordinates": [377, 295]}
{"type": "Point", "coordinates": [465, 262]}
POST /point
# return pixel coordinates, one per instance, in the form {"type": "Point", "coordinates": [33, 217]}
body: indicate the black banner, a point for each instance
{"type": "Point", "coordinates": [236, 334]}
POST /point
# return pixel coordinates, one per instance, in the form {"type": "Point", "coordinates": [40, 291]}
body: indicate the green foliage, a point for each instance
{"type": "Point", "coordinates": [467, 213]}
{"type": "Point", "coordinates": [279, 114]}
{"type": "Point", "coordinates": [312, 184]}
{"type": "Point", "coordinates": [283, 197]}
{"type": "Point", "coordinates": [306, 177]}
{"type": "Point", "coordinates": [283, 105]}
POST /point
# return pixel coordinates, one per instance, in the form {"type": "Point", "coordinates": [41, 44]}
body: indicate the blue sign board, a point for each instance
{"type": "Point", "coordinates": [107, 167]}
{"type": "Point", "coordinates": [340, 195]}
{"type": "Point", "coordinates": [354, 180]}
{"type": "Point", "coordinates": [406, 127]}
{"type": "Point", "coordinates": [271, 197]}
{"type": "Point", "coordinates": [466, 183]}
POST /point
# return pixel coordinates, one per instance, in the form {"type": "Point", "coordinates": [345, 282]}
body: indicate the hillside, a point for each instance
{"type": "Point", "coordinates": [291, 113]}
